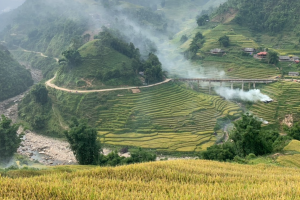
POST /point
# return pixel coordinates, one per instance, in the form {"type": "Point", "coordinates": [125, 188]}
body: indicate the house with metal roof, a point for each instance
{"type": "Point", "coordinates": [217, 51]}
{"type": "Point", "coordinates": [293, 73]}
{"type": "Point", "coordinates": [249, 50]}
{"type": "Point", "coordinates": [284, 58]}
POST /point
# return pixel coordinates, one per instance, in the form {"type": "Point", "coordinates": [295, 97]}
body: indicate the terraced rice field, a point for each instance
{"type": "Point", "coordinates": [167, 118]}
{"type": "Point", "coordinates": [236, 38]}
{"type": "Point", "coordinates": [286, 96]}
{"type": "Point", "coordinates": [291, 160]}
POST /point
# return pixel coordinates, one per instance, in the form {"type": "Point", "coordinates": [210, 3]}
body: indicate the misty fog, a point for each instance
{"type": "Point", "coordinates": [8, 5]}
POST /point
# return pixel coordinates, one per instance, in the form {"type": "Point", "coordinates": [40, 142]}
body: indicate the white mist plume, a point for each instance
{"type": "Point", "coordinates": [251, 95]}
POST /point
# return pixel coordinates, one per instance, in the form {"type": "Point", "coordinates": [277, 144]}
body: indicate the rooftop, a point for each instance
{"type": "Point", "coordinates": [262, 53]}
{"type": "Point", "coordinates": [217, 50]}
{"type": "Point", "coordinates": [284, 57]}
{"type": "Point", "coordinates": [249, 49]}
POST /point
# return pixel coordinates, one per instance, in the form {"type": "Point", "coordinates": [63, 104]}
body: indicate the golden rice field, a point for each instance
{"type": "Point", "coordinates": [184, 179]}
{"type": "Point", "coordinates": [294, 145]}
{"type": "Point", "coordinates": [167, 118]}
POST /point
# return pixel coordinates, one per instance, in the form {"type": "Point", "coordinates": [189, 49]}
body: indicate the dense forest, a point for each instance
{"type": "Point", "coordinates": [14, 79]}
{"type": "Point", "coordinates": [270, 15]}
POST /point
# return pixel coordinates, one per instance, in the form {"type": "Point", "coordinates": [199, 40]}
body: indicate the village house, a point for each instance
{"type": "Point", "coordinates": [284, 58]}
{"type": "Point", "coordinates": [249, 50]}
{"type": "Point", "coordinates": [217, 51]}
{"type": "Point", "coordinates": [262, 55]}
{"type": "Point", "coordinates": [293, 73]}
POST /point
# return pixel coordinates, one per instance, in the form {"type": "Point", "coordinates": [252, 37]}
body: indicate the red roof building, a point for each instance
{"type": "Point", "coordinates": [262, 54]}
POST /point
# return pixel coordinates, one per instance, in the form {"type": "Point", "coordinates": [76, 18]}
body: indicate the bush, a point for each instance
{"type": "Point", "coordinates": [222, 152]}
{"type": "Point", "coordinates": [113, 158]}
{"type": "Point", "coordinates": [294, 131]}
{"type": "Point", "coordinates": [281, 142]}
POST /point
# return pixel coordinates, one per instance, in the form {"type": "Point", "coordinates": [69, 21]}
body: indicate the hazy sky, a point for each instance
{"type": "Point", "coordinates": [7, 5]}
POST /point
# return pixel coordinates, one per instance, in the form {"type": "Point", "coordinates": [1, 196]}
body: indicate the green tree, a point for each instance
{"type": "Point", "coordinates": [294, 131]}
{"type": "Point", "coordinates": [135, 65]}
{"type": "Point", "coordinates": [201, 21]}
{"type": "Point", "coordinates": [224, 41]}
{"type": "Point", "coordinates": [247, 137]}
{"type": "Point", "coordinates": [40, 93]}
{"type": "Point", "coordinates": [9, 138]}
{"type": "Point", "coordinates": [183, 39]}
{"type": "Point", "coordinates": [197, 43]}
{"type": "Point", "coordinates": [153, 69]}
{"type": "Point", "coordinates": [219, 152]}
{"type": "Point", "coordinates": [272, 57]}
{"type": "Point", "coordinates": [73, 57]}
{"type": "Point", "coordinates": [83, 142]}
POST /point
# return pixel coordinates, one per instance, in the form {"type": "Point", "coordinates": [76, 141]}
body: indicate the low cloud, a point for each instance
{"type": "Point", "coordinates": [251, 95]}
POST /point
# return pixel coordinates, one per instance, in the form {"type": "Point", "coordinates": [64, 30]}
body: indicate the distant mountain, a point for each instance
{"type": "Point", "coordinates": [45, 26]}
{"type": "Point", "coordinates": [14, 79]}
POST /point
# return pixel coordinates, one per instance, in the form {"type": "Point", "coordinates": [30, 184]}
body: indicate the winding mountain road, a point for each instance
{"type": "Point", "coordinates": [52, 85]}
{"type": "Point", "coordinates": [40, 53]}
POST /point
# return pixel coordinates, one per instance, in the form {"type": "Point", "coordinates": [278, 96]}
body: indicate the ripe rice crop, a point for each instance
{"type": "Point", "coordinates": [167, 117]}
{"type": "Point", "coordinates": [184, 179]}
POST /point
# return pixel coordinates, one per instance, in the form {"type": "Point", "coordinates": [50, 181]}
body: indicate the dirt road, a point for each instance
{"type": "Point", "coordinates": [52, 85]}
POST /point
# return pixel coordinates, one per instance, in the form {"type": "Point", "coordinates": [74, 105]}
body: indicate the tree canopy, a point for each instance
{"type": "Point", "coordinates": [246, 138]}
{"type": "Point", "coordinates": [83, 142]}
{"type": "Point", "coordinates": [294, 131]}
{"type": "Point", "coordinates": [9, 138]}
{"type": "Point", "coordinates": [202, 20]}
{"type": "Point", "coordinates": [272, 57]}
{"type": "Point", "coordinates": [73, 57]}
{"type": "Point", "coordinates": [264, 16]}
{"type": "Point", "coordinates": [224, 41]}
{"type": "Point", "coordinates": [196, 44]}
{"type": "Point", "coordinates": [40, 93]}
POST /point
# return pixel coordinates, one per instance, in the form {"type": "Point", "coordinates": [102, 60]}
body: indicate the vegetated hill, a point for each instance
{"type": "Point", "coordinates": [183, 179]}
{"type": "Point", "coordinates": [270, 15]}
{"type": "Point", "coordinates": [44, 26]}
{"type": "Point", "coordinates": [107, 61]}
{"type": "Point", "coordinates": [14, 78]}
{"type": "Point", "coordinates": [101, 67]}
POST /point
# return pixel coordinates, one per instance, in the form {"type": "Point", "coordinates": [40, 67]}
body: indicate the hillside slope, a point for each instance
{"type": "Point", "coordinates": [270, 15]}
{"type": "Point", "coordinates": [185, 179]}
{"type": "Point", "coordinates": [14, 79]}
{"type": "Point", "coordinates": [100, 65]}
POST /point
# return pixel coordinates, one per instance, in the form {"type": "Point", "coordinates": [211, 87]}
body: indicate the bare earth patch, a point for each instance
{"type": "Point", "coordinates": [288, 120]}
{"type": "Point", "coordinates": [225, 18]}
{"type": "Point", "coordinates": [135, 91]}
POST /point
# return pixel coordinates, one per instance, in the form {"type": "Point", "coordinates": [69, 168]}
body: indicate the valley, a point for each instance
{"type": "Point", "coordinates": [168, 99]}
